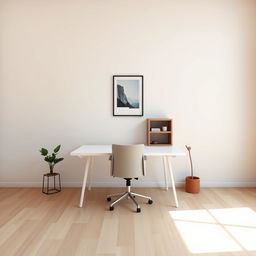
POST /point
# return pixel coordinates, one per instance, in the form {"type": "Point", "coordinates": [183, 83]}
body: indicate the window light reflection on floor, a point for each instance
{"type": "Point", "coordinates": [235, 216]}
{"type": "Point", "coordinates": [217, 230]}
{"type": "Point", "coordinates": [245, 236]}
{"type": "Point", "coordinates": [193, 215]}
{"type": "Point", "coordinates": [203, 237]}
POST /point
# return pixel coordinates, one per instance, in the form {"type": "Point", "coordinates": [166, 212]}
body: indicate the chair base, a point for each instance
{"type": "Point", "coordinates": [128, 195]}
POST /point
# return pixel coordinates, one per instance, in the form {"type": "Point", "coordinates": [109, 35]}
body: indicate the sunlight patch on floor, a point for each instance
{"type": "Point", "coordinates": [245, 236]}
{"type": "Point", "coordinates": [193, 215]}
{"type": "Point", "coordinates": [217, 230]}
{"type": "Point", "coordinates": [203, 237]}
{"type": "Point", "coordinates": [235, 216]}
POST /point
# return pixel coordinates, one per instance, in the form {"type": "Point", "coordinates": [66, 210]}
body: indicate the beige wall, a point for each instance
{"type": "Point", "coordinates": [57, 58]}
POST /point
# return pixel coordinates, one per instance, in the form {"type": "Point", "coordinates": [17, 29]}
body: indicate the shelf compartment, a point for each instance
{"type": "Point", "coordinates": [159, 138]}
{"type": "Point", "coordinates": [161, 132]}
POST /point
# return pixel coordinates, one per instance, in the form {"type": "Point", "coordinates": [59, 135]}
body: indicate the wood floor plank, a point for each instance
{"type": "Point", "coordinates": [50, 247]}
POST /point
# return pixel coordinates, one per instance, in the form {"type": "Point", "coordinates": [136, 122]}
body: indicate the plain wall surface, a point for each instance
{"type": "Point", "coordinates": [57, 59]}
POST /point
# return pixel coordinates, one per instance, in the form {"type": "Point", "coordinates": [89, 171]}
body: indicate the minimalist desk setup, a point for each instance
{"type": "Point", "coordinates": [166, 152]}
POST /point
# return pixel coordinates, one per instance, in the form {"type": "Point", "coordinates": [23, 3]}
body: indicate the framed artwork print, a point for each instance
{"type": "Point", "coordinates": [128, 95]}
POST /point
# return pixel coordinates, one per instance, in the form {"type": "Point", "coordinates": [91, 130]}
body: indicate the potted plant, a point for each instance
{"type": "Point", "coordinates": [51, 159]}
{"type": "Point", "coordinates": [192, 182]}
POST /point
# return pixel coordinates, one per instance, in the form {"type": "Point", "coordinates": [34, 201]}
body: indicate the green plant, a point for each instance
{"type": "Point", "coordinates": [51, 159]}
{"type": "Point", "coordinates": [190, 158]}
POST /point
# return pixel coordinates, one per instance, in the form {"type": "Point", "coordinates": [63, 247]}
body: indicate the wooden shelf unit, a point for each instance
{"type": "Point", "coordinates": [160, 138]}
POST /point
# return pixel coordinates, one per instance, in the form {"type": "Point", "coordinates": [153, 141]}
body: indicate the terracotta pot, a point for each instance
{"type": "Point", "coordinates": [192, 185]}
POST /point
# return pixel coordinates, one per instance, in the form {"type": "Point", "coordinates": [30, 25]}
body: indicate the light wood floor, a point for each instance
{"type": "Point", "coordinates": [32, 223]}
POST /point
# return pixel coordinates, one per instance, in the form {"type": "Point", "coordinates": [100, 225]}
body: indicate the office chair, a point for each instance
{"type": "Point", "coordinates": [127, 162]}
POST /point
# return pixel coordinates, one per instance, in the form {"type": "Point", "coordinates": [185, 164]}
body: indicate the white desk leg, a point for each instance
{"type": "Point", "coordinates": [87, 164]}
{"type": "Point", "coordinates": [90, 173]}
{"type": "Point", "coordinates": [172, 180]}
{"type": "Point", "coordinates": [165, 173]}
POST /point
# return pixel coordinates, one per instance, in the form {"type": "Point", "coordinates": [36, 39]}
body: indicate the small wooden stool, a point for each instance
{"type": "Point", "coordinates": [54, 189]}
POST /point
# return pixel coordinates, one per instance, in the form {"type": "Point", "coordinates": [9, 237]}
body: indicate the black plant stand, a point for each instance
{"type": "Point", "coordinates": [47, 190]}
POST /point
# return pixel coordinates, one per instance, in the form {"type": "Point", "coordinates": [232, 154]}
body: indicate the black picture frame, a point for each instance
{"type": "Point", "coordinates": [124, 110]}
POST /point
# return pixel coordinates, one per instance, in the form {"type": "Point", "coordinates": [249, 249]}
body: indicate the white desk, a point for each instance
{"type": "Point", "coordinates": [166, 152]}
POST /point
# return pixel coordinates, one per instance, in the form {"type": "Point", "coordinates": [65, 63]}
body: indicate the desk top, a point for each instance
{"type": "Point", "coordinates": [99, 150]}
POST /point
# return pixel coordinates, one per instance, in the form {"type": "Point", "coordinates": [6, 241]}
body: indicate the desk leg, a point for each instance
{"type": "Point", "coordinates": [172, 180]}
{"type": "Point", "coordinates": [88, 160]}
{"type": "Point", "coordinates": [90, 173]}
{"type": "Point", "coordinates": [165, 173]}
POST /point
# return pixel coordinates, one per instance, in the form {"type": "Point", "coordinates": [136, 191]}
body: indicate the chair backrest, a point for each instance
{"type": "Point", "coordinates": [127, 161]}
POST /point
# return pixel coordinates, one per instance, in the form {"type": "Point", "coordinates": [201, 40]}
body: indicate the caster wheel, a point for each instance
{"type": "Point", "coordinates": [111, 208]}
{"type": "Point", "coordinates": [138, 210]}
{"type": "Point", "coordinates": [108, 199]}
{"type": "Point", "coordinates": [150, 201]}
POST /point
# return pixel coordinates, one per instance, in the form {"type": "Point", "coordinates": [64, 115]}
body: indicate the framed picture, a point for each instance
{"type": "Point", "coordinates": [128, 95]}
